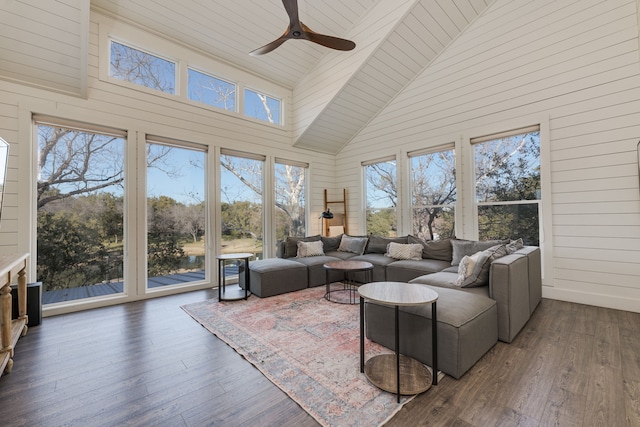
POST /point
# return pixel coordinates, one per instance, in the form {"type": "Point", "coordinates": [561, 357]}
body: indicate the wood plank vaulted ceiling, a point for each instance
{"type": "Point", "coordinates": [335, 94]}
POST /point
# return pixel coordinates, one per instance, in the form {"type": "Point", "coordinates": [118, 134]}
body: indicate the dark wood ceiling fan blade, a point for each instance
{"type": "Point", "coordinates": [268, 47]}
{"type": "Point", "coordinates": [331, 42]}
{"type": "Point", "coordinates": [291, 6]}
{"type": "Point", "coordinates": [327, 41]}
{"type": "Point", "coordinates": [297, 30]}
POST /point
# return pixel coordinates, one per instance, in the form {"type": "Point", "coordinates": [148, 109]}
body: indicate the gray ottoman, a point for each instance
{"type": "Point", "coordinates": [467, 329]}
{"type": "Point", "coordinates": [275, 276]}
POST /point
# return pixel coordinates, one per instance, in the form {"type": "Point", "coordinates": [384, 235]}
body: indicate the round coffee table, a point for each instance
{"type": "Point", "coordinates": [414, 377]}
{"type": "Point", "coordinates": [349, 285]}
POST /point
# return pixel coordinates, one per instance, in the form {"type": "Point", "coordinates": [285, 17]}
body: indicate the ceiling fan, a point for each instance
{"type": "Point", "coordinates": [297, 30]}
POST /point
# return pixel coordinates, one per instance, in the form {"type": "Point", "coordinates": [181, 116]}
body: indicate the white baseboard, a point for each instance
{"type": "Point", "coordinates": [598, 300]}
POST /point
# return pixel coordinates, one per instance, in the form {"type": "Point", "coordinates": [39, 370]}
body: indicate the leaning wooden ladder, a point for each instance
{"type": "Point", "coordinates": [342, 202]}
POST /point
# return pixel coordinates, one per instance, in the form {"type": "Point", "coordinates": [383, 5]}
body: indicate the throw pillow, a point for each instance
{"type": "Point", "coordinates": [462, 248]}
{"type": "Point", "coordinates": [331, 243]}
{"type": "Point", "coordinates": [434, 249]}
{"type": "Point", "coordinates": [514, 246]}
{"type": "Point", "coordinates": [291, 244]}
{"type": "Point", "coordinates": [473, 271]}
{"type": "Point", "coordinates": [307, 249]}
{"type": "Point", "coordinates": [404, 251]}
{"type": "Point", "coordinates": [352, 244]}
{"type": "Point", "coordinates": [378, 245]}
{"type": "Point", "coordinates": [469, 268]}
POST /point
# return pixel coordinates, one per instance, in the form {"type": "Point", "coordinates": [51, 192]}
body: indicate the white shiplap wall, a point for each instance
{"type": "Point", "coordinates": [395, 40]}
{"type": "Point", "coordinates": [44, 43]}
{"type": "Point", "coordinates": [140, 112]}
{"type": "Point", "coordinates": [572, 66]}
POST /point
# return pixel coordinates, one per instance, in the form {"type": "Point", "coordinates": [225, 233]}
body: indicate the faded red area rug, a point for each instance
{"type": "Point", "coordinates": [308, 347]}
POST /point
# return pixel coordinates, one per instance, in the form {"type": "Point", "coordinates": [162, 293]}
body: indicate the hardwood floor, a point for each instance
{"type": "Point", "coordinates": [149, 363]}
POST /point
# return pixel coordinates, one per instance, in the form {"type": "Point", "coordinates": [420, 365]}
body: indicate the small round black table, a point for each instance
{"type": "Point", "coordinates": [349, 285]}
{"type": "Point", "coordinates": [233, 294]}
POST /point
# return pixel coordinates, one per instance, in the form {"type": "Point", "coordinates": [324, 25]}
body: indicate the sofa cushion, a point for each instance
{"type": "Point", "coordinates": [291, 245]}
{"type": "Point", "coordinates": [380, 263]}
{"type": "Point", "coordinates": [404, 251]}
{"type": "Point", "coordinates": [405, 270]}
{"type": "Point", "coordinates": [470, 247]}
{"type": "Point", "coordinates": [434, 249]}
{"type": "Point", "coordinates": [378, 245]}
{"type": "Point", "coordinates": [316, 273]}
{"type": "Point", "coordinates": [341, 255]}
{"type": "Point", "coordinates": [275, 276]}
{"type": "Point", "coordinates": [307, 249]}
{"type": "Point", "coordinates": [331, 243]}
{"type": "Point", "coordinates": [352, 244]}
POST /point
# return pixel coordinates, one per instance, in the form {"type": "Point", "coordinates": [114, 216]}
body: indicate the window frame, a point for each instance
{"type": "Point", "coordinates": [268, 95]}
{"type": "Point", "coordinates": [183, 145]}
{"type": "Point", "coordinates": [129, 244]}
{"type": "Point", "coordinates": [365, 192]}
{"type": "Point", "coordinates": [214, 76]}
{"type": "Point", "coordinates": [476, 142]}
{"type": "Point", "coordinates": [423, 152]}
{"type": "Point", "coordinates": [186, 58]}
{"type": "Point", "coordinates": [177, 90]}
{"type": "Point", "coordinates": [305, 193]}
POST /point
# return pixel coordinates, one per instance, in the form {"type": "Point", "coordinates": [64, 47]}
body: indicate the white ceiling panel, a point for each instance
{"type": "Point", "coordinates": [396, 40]}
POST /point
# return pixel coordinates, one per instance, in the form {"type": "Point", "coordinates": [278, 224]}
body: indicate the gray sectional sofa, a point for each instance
{"type": "Point", "coordinates": [493, 303]}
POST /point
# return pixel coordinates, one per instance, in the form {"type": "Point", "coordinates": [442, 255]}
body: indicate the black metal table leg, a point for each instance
{"type": "Point", "coordinates": [434, 342]}
{"type": "Point", "coordinates": [361, 334]}
{"type": "Point", "coordinates": [220, 278]}
{"type": "Point", "coordinates": [247, 279]}
{"type": "Point", "coordinates": [398, 351]}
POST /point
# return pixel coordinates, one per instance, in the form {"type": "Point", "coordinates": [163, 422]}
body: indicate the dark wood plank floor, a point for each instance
{"type": "Point", "coordinates": [148, 363]}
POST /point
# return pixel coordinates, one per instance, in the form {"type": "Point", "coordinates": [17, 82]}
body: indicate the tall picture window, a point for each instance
{"type": "Point", "coordinates": [80, 222]}
{"type": "Point", "coordinates": [176, 207]}
{"type": "Point", "coordinates": [381, 197]}
{"type": "Point", "coordinates": [433, 192]}
{"type": "Point", "coordinates": [290, 191]}
{"type": "Point", "coordinates": [507, 185]}
{"type": "Point", "coordinates": [241, 201]}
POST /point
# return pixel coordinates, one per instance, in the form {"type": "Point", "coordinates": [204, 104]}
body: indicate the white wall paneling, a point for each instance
{"type": "Point", "coordinates": [575, 63]}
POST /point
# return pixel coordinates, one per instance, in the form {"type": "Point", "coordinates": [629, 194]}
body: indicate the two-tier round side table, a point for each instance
{"type": "Point", "coordinates": [414, 377]}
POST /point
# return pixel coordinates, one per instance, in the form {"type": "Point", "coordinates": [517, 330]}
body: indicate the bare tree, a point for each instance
{"type": "Point", "coordinates": [434, 187]}
{"type": "Point", "coordinates": [142, 68]}
{"type": "Point", "coordinates": [73, 163]}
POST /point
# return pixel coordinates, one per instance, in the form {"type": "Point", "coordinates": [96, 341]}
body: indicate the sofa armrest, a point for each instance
{"type": "Point", "coordinates": [532, 253]}
{"type": "Point", "coordinates": [509, 287]}
{"type": "Point", "coordinates": [280, 248]}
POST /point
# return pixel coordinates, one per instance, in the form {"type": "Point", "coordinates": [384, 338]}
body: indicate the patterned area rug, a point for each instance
{"type": "Point", "coordinates": [307, 346]}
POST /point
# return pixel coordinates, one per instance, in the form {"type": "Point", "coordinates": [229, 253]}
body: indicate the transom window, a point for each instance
{"type": "Point", "coordinates": [262, 107]}
{"type": "Point", "coordinates": [211, 90]}
{"type": "Point", "coordinates": [142, 68]}
{"type": "Point", "coordinates": [145, 69]}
